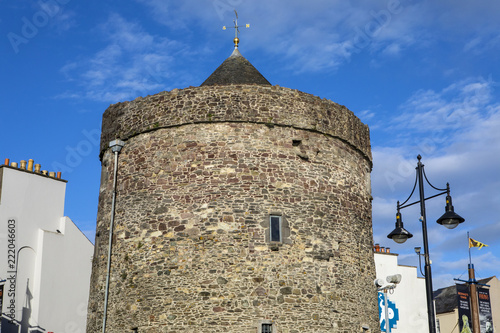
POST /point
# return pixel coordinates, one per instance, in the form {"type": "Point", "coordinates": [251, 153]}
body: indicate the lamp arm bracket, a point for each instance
{"type": "Point", "coordinates": [428, 182]}
{"type": "Point", "coordinates": [416, 202]}
{"type": "Point", "coordinates": [411, 194]}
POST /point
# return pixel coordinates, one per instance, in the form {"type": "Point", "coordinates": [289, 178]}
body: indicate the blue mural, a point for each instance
{"type": "Point", "coordinates": [393, 313]}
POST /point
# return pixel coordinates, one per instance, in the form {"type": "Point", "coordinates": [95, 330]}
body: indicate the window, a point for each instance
{"type": "Point", "coordinates": [275, 228]}
{"type": "Point", "coordinates": [267, 328]}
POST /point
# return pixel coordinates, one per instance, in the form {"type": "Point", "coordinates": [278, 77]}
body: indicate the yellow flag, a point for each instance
{"type": "Point", "coordinates": [475, 243]}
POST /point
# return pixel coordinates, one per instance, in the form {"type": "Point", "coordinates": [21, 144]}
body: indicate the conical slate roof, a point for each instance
{"type": "Point", "coordinates": [235, 70]}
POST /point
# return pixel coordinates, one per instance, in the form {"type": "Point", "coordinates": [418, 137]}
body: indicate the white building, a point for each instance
{"type": "Point", "coordinates": [407, 301]}
{"type": "Point", "coordinates": [45, 260]}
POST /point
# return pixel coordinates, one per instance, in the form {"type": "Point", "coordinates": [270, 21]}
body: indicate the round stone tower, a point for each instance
{"type": "Point", "coordinates": [240, 207]}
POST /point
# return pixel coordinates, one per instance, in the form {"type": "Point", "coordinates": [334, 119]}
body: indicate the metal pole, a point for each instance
{"type": "Point", "coordinates": [387, 325]}
{"type": "Point", "coordinates": [427, 267]}
{"type": "Point", "coordinates": [116, 146]}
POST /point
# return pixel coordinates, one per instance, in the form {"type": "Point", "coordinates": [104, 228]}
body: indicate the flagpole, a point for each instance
{"type": "Point", "coordinates": [468, 243]}
{"type": "Point", "coordinates": [474, 306]}
{"type": "Point", "coordinates": [472, 282]}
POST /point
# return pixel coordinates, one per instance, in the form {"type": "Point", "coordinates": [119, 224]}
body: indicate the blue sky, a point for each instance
{"type": "Point", "coordinates": [423, 75]}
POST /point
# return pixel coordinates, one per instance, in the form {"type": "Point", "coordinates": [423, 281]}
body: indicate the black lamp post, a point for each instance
{"type": "Point", "coordinates": [449, 219]}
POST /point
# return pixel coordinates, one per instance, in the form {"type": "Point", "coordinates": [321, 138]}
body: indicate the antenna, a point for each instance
{"type": "Point", "coordinates": [236, 29]}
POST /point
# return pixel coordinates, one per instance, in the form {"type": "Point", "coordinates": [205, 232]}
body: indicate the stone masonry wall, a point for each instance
{"type": "Point", "coordinates": [241, 103]}
{"type": "Point", "coordinates": [190, 251]}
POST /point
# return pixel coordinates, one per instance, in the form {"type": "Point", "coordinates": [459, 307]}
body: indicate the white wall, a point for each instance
{"type": "Point", "coordinates": [64, 275]}
{"type": "Point", "coordinates": [54, 258]}
{"type": "Point", "coordinates": [409, 295]}
{"type": "Point", "coordinates": [495, 302]}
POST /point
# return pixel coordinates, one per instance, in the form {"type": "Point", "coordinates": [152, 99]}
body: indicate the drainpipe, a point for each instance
{"type": "Point", "coordinates": [116, 147]}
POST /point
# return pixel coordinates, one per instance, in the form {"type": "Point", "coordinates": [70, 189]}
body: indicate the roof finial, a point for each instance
{"type": "Point", "coordinates": [236, 30]}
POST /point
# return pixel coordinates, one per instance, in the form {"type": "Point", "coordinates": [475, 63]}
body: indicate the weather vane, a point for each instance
{"type": "Point", "coordinates": [236, 30]}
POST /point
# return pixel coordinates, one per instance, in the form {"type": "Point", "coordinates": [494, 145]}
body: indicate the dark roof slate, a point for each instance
{"type": "Point", "coordinates": [235, 70]}
{"type": "Point", "coordinates": [445, 299]}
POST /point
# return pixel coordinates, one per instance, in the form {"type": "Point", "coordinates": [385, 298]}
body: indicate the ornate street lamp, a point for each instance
{"type": "Point", "coordinates": [400, 234]}
{"type": "Point", "coordinates": [450, 220]}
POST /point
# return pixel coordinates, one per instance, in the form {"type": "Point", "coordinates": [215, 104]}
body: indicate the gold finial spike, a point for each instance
{"type": "Point", "coordinates": [236, 30]}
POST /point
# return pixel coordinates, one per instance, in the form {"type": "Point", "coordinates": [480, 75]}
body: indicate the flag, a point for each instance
{"type": "Point", "coordinates": [475, 243]}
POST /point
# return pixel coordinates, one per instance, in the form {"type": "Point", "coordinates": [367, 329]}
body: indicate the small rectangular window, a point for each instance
{"type": "Point", "coordinates": [267, 328]}
{"type": "Point", "coordinates": [275, 228]}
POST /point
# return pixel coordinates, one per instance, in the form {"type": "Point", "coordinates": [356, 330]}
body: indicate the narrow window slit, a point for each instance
{"type": "Point", "coordinates": [267, 328]}
{"type": "Point", "coordinates": [275, 228]}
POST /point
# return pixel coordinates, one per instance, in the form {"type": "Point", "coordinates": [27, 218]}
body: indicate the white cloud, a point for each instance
{"type": "Point", "coordinates": [366, 115]}
{"type": "Point", "coordinates": [392, 169]}
{"type": "Point", "coordinates": [312, 36]}
{"type": "Point", "coordinates": [484, 261]}
{"type": "Point", "coordinates": [473, 44]}
{"type": "Point", "coordinates": [393, 49]}
{"type": "Point", "coordinates": [324, 34]}
{"type": "Point", "coordinates": [441, 118]}
{"type": "Point", "coordinates": [132, 63]}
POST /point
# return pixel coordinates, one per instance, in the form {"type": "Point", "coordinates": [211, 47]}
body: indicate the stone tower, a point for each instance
{"type": "Point", "coordinates": [240, 207]}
